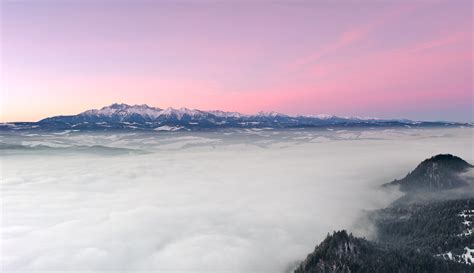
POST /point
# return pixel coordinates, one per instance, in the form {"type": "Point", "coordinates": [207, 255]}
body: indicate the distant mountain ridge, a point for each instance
{"type": "Point", "coordinates": [143, 117]}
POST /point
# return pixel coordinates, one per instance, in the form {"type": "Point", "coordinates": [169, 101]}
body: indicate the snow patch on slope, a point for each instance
{"type": "Point", "coordinates": [168, 128]}
{"type": "Point", "coordinates": [467, 215]}
{"type": "Point", "coordinates": [466, 258]}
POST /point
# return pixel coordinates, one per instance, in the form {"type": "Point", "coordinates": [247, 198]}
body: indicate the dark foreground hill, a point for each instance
{"type": "Point", "coordinates": [441, 172]}
{"type": "Point", "coordinates": [344, 253]}
{"type": "Point", "coordinates": [425, 235]}
{"type": "Point", "coordinates": [437, 227]}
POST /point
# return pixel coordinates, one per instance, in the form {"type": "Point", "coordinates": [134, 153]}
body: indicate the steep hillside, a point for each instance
{"type": "Point", "coordinates": [440, 172]}
{"type": "Point", "coordinates": [420, 232]}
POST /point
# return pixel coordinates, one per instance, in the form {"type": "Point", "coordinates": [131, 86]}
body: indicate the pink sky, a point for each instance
{"type": "Point", "coordinates": [364, 58]}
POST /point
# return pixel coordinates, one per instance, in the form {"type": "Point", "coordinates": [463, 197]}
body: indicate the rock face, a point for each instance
{"type": "Point", "coordinates": [440, 172]}
{"type": "Point", "coordinates": [427, 235]}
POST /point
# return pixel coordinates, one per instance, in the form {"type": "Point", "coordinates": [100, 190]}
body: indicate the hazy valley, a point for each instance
{"type": "Point", "coordinates": [240, 200]}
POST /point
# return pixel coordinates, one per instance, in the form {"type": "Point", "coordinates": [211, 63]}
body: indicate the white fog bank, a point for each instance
{"type": "Point", "coordinates": [235, 201]}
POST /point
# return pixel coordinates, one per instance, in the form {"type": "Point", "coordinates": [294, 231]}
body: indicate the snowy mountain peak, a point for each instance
{"type": "Point", "coordinates": [116, 106]}
{"type": "Point", "coordinates": [122, 110]}
{"type": "Point", "coordinates": [181, 112]}
{"type": "Point", "coordinates": [144, 117]}
{"type": "Point", "coordinates": [319, 116]}
{"type": "Point", "coordinates": [270, 114]}
{"type": "Point", "coordinates": [223, 114]}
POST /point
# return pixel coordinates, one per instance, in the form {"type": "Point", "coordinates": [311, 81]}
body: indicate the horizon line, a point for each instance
{"type": "Point", "coordinates": [320, 115]}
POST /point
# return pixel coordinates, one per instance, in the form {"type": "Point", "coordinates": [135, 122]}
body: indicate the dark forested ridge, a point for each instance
{"type": "Point", "coordinates": [440, 172]}
{"type": "Point", "coordinates": [422, 233]}
{"type": "Point", "coordinates": [437, 227]}
{"type": "Point", "coordinates": [341, 252]}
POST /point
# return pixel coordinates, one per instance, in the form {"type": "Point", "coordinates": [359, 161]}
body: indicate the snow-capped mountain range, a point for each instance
{"type": "Point", "coordinates": [144, 117]}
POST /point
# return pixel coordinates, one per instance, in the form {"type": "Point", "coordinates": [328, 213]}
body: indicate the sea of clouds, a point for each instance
{"type": "Point", "coordinates": [224, 201]}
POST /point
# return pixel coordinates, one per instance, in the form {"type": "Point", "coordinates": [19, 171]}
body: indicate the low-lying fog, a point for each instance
{"type": "Point", "coordinates": [238, 201]}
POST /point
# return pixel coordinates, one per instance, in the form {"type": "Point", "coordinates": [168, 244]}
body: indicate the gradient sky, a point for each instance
{"type": "Point", "coordinates": [351, 58]}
